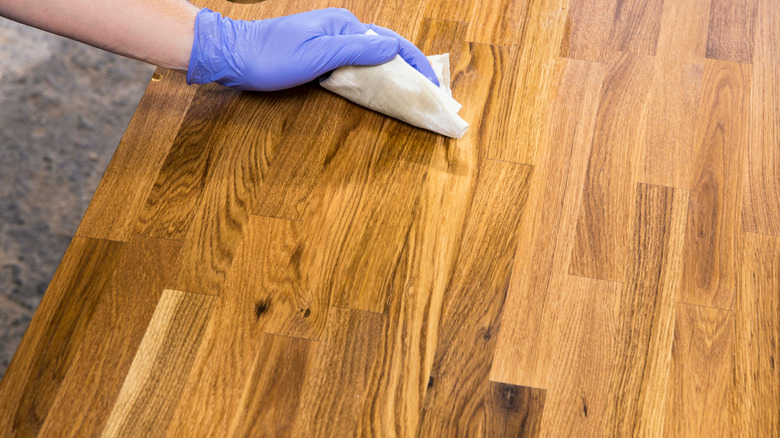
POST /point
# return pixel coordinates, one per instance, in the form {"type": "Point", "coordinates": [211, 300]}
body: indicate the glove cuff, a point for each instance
{"type": "Point", "coordinates": [207, 63]}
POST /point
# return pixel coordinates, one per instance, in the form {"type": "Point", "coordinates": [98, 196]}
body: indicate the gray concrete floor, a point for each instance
{"type": "Point", "coordinates": [63, 109]}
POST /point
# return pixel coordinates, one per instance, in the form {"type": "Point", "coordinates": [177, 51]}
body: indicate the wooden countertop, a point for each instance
{"type": "Point", "coordinates": [599, 255]}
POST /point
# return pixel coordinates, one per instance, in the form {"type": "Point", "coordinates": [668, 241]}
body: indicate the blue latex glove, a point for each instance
{"type": "Point", "coordinates": [284, 52]}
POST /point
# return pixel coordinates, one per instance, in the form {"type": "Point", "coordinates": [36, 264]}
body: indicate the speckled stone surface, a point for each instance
{"type": "Point", "coordinates": [63, 109]}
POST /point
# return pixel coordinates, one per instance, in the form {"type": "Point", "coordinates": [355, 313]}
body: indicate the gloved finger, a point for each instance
{"type": "Point", "coordinates": [338, 21]}
{"type": "Point", "coordinates": [409, 52]}
{"type": "Point", "coordinates": [340, 50]}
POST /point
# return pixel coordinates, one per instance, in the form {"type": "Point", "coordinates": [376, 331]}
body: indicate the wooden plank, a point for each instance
{"type": "Point", "coordinates": [335, 390]}
{"type": "Point", "coordinates": [141, 152]}
{"type": "Point", "coordinates": [554, 204]}
{"type": "Point", "coordinates": [536, 81]}
{"type": "Point", "coordinates": [713, 229]}
{"type": "Point", "coordinates": [643, 344]}
{"type": "Point", "coordinates": [171, 203]}
{"type": "Point", "coordinates": [756, 401]}
{"type": "Point", "coordinates": [30, 385]}
{"type": "Point", "coordinates": [761, 210]}
{"type": "Point", "coordinates": [500, 23]}
{"type": "Point", "coordinates": [573, 358]}
{"type": "Point", "coordinates": [675, 93]}
{"type": "Point", "coordinates": [232, 344]}
{"type": "Point", "coordinates": [270, 401]}
{"type": "Point", "coordinates": [636, 25]}
{"type": "Point", "coordinates": [246, 145]}
{"type": "Point", "coordinates": [730, 36]}
{"type": "Point", "coordinates": [100, 366]}
{"type": "Point", "coordinates": [428, 257]}
{"type": "Point", "coordinates": [588, 29]}
{"type": "Point", "coordinates": [455, 401]}
{"type": "Point", "coordinates": [302, 155]}
{"type": "Point", "coordinates": [441, 10]}
{"type": "Point", "coordinates": [604, 223]}
{"type": "Point", "coordinates": [702, 373]}
{"type": "Point", "coordinates": [155, 379]}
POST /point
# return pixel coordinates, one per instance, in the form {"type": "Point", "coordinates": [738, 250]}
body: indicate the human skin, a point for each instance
{"type": "Point", "coordinates": [159, 32]}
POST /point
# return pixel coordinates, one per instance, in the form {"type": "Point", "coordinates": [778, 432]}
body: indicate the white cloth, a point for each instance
{"type": "Point", "coordinates": [398, 90]}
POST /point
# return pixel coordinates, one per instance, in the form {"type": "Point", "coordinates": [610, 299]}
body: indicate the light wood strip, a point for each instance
{"type": "Point", "coordinates": [675, 93]}
{"type": "Point", "coordinates": [701, 383]}
{"type": "Point", "coordinates": [148, 398]}
{"type": "Point", "coordinates": [730, 36]}
{"type": "Point", "coordinates": [536, 56]}
{"type": "Point", "coordinates": [141, 152]}
{"type": "Point", "coordinates": [756, 401]}
{"type": "Point", "coordinates": [636, 25]}
{"type": "Point", "coordinates": [588, 29]}
{"type": "Point", "coordinates": [103, 359]}
{"type": "Point", "coordinates": [604, 223]}
{"type": "Point", "coordinates": [46, 353]}
{"type": "Point", "coordinates": [270, 401]}
{"type": "Point", "coordinates": [455, 401]}
{"type": "Point", "coordinates": [335, 390]}
{"type": "Point", "coordinates": [553, 199]}
{"type": "Point", "coordinates": [761, 211]}
{"type": "Point", "coordinates": [574, 360]}
{"type": "Point", "coordinates": [169, 208]}
{"type": "Point", "coordinates": [713, 228]}
{"type": "Point", "coordinates": [643, 344]}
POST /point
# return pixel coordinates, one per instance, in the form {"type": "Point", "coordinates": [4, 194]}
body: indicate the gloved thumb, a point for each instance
{"type": "Point", "coordinates": [356, 49]}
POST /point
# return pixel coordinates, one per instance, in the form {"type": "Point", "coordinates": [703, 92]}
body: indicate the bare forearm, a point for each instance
{"type": "Point", "coordinates": [159, 32]}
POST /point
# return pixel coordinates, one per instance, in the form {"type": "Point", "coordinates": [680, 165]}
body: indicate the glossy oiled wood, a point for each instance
{"type": "Point", "coordinates": [598, 256]}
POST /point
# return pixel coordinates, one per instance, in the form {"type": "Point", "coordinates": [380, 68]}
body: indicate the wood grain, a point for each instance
{"type": "Point", "coordinates": [270, 400]}
{"type": "Point", "coordinates": [467, 335]}
{"type": "Point", "coordinates": [332, 402]}
{"type": "Point", "coordinates": [713, 228]}
{"type": "Point", "coordinates": [175, 193]}
{"type": "Point", "coordinates": [553, 199]}
{"type": "Point", "coordinates": [103, 359]}
{"type": "Point", "coordinates": [232, 341]}
{"type": "Point", "coordinates": [701, 381]}
{"type": "Point", "coordinates": [502, 23]}
{"type": "Point", "coordinates": [160, 366]}
{"type": "Point", "coordinates": [573, 357]}
{"type": "Point", "coordinates": [675, 93]}
{"type": "Point", "coordinates": [141, 152]}
{"type": "Point", "coordinates": [245, 147]}
{"type": "Point", "coordinates": [427, 260]}
{"type": "Point", "coordinates": [756, 400]}
{"type": "Point", "coordinates": [588, 29]}
{"type": "Point", "coordinates": [603, 227]}
{"type": "Point", "coordinates": [48, 348]}
{"type": "Point", "coordinates": [731, 30]}
{"type": "Point", "coordinates": [643, 347]}
{"type": "Point", "coordinates": [636, 25]}
{"type": "Point", "coordinates": [536, 56]}
{"type": "Point", "coordinates": [761, 210]}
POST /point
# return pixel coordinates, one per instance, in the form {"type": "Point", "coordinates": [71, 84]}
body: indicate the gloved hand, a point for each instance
{"type": "Point", "coordinates": [284, 52]}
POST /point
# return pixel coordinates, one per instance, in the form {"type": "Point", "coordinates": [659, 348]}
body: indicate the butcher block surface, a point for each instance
{"type": "Point", "coordinates": [599, 255]}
